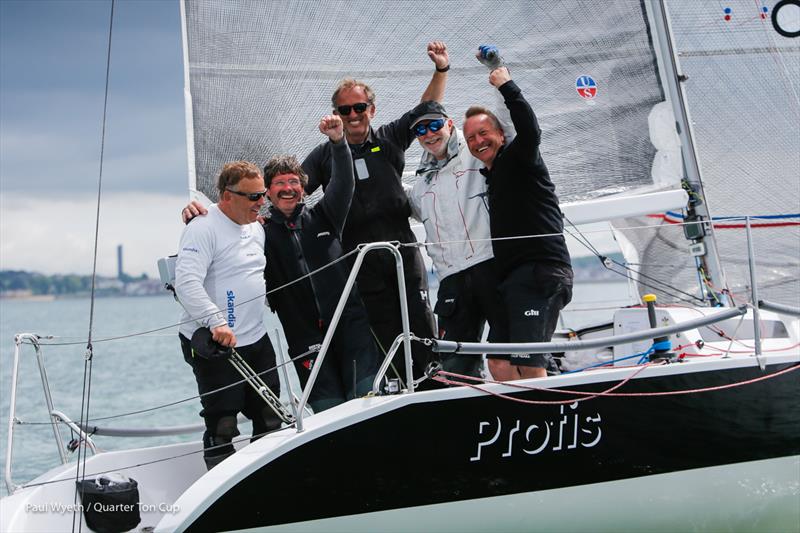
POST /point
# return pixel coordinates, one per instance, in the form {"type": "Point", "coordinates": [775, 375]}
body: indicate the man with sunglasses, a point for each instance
{"type": "Point", "coordinates": [526, 222]}
{"type": "Point", "coordinates": [449, 198]}
{"type": "Point", "coordinates": [380, 208]}
{"type": "Point", "coordinates": [301, 240]}
{"type": "Point", "coordinates": [219, 280]}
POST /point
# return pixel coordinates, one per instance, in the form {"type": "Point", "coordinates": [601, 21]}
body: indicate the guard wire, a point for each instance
{"type": "Point", "coordinates": [80, 472]}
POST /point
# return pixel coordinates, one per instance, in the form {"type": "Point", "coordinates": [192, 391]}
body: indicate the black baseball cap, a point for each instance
{"type": "Point", "coordinates": [427, 110]}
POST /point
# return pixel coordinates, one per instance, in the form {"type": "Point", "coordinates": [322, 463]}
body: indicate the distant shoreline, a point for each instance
{"type": "Point", "coordinates": [69, 296]}
{"type": "Point", "coordinates": [28, 297]}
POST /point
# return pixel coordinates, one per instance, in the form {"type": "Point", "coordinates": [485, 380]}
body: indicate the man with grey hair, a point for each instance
{"type": "Point", "coordinates": [449, 198]}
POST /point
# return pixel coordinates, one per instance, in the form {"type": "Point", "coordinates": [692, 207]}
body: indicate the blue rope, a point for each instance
{"type": "Point", "coordinates": [646, 355]}
{"type": "Point", "coordinates": [742, 217]}
{"type": "Point", "coordinates": [643, 357]}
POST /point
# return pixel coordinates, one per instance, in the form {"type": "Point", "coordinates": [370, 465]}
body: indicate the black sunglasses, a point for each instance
{"type": "Point", "coordinates": [252, 196]}
{"type": "Point", "coordinates": [433, 125]}
{"type": "Point", "coordinates": [359, 107]}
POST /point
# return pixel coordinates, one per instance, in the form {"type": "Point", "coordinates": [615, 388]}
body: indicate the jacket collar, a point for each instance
{"type": "Point", "coordinates": [370, 140]}
{"type": "Point", "coordinates": [294, 221]}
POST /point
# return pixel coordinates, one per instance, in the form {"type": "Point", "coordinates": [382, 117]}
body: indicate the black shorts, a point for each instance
{"type": "Point", "coordinates": [533, 295]}
{"type": "Point", "coordinates": [466, 301]}
{"type": "Point", "coordinates": [212, 374]}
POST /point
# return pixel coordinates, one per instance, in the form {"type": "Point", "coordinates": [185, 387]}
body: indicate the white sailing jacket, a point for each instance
{"type": "Point", "coordinates": [450, 201]}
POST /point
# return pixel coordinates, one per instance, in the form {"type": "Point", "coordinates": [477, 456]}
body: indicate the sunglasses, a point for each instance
{"type": "Point", "coordinates": [359, 108]}
{"type": "Point", "coordinates": [433, 126]}
{"type": "Point", "coordinates": [252, 196]}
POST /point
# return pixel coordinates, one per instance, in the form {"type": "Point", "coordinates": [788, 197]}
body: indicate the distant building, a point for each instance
{"type": "Point", "coordinates": [120, 271]}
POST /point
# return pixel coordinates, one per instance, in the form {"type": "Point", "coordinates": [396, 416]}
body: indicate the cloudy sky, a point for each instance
{"type": "Point", "coordinates": [52, 81]}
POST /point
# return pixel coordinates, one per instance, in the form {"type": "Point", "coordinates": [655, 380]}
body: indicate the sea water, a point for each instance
{"type": "Point", "coordinates": [141, 369]}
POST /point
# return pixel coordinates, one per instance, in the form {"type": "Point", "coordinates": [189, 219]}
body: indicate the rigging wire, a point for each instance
{"type": "Point", "coordinates": [193, 319]}
{"type": "Point", "coordinates": [275, 368]}
{"type": "Point", "coordinates": [587, 243]}
{"type": "Point", "coordinates": [670, 289]}
{"type": "Point", "coordinates": [80, 472]}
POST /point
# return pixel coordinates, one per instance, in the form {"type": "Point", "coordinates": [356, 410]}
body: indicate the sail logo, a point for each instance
{"type": "Point", "coordinates": [231, 306]}
{"type": "Point", "coordinates": [586, 87]}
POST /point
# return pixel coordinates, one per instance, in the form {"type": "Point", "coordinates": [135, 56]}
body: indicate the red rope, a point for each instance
{"type": "Point", "coordinates": [608, 392]}
{"type": "Point", "coordinates": [587, 395]}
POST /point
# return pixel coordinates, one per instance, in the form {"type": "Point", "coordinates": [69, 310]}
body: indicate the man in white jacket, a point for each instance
{"type": "Point", "coordinates": [449, 198]}
{"type": "Point", "coordinates": [219, 279]}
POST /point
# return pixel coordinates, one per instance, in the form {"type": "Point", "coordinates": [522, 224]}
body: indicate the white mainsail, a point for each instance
{"type": "Point", "coordinates": [260, 75]}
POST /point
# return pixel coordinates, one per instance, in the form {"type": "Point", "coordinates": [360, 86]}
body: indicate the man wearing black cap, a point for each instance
{"type": "Point", "coordinates": [449, 198]}
{"type": "Point", "coordinates": [380, 209]}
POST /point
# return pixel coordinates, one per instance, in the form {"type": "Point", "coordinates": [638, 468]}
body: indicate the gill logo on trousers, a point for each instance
{"type": "Point", "coordinates": [531, 312]}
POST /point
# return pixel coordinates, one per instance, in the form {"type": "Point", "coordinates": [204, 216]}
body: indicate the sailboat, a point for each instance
{"type": "Point", "coordinates": [674, 120]}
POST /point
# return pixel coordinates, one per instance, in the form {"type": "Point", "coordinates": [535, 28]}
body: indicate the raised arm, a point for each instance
{"type": "Point", "coordinates": [522, 116]}
{"type": "Point", "coordinates": [339, 193]}
{"type": "Point", "coordinates": [437, 52]}
{"type": "Point", "coordinates": [500, 109]}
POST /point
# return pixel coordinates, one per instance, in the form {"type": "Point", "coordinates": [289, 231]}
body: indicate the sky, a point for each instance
{"type": "Point", "coordinates": [52, 84]}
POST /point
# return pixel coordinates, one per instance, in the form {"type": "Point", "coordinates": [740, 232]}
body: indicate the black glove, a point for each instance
{"type": "Point", "coordinates": [206, 347]}
{"type": "Point", "coordinates": [489, 55]}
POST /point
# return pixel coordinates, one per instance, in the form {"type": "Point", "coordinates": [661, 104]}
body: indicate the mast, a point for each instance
{"type": "Point", "coordinates": [194, 194]}
{"type": "Point", "coordinates": [701, 234]}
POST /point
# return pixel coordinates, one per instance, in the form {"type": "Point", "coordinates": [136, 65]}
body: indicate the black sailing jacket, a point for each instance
{"type": "Point", "coordinates": [522, 198]}
{"type": "Point", "coordinates": [304, 242]}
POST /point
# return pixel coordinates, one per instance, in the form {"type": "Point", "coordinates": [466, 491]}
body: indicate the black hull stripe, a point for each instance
{"type": "Point", "coordinates": [445, 451]}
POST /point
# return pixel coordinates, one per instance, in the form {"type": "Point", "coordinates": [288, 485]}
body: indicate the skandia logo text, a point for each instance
{"type": "Point", "coordinates": [231, 306]}
{"type": "Point", "coordinates": [190, 249]}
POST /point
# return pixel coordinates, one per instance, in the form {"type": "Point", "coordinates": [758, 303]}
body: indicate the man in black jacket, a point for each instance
{"type": "Point", "coordinates": [300, 240]}
{"type": "Point", "coordinates": [534, 270]}
{"type": "Point", "coordinates": [380, 209]}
